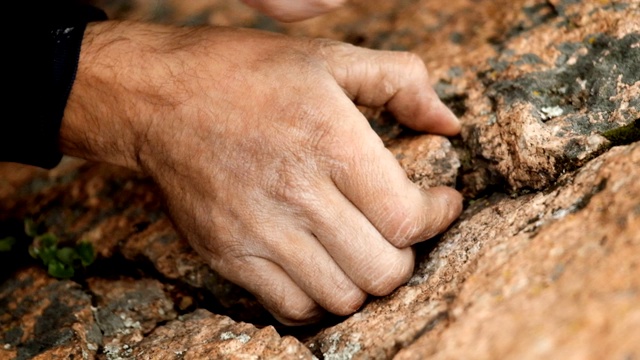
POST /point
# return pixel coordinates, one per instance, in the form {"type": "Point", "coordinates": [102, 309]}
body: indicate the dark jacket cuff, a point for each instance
{"type": "Point", "coordinates": [42, 74]}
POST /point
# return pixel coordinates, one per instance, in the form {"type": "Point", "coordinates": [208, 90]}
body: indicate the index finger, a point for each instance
{"type": "Point", "coordinates": [373, 180]}
{"type": "Point", "coordinates": [399, 80]}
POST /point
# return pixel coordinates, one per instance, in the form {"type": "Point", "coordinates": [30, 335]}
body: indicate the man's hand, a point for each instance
{"type": "Point", "coordinates": [267, 166]}
{"type": "Point", "coordinates": [294, 10]}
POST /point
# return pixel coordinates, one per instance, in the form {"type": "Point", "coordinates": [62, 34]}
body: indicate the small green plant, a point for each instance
{"type": "Point", "coordinates": [61, 262]}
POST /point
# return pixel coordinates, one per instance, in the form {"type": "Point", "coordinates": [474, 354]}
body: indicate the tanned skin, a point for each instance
{"type": "Point", "coordinates": [265, 163]}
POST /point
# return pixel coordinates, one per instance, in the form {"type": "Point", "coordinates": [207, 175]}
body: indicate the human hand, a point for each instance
{"type": "Point", "coordinates": [266, 165]}
{"type": "Point", "coordinates": [294, 10]}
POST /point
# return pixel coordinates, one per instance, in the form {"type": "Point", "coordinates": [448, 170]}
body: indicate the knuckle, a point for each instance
{"type": "Point", "coordinates": [415, 61]}
{"type": "Point", "coordinates": [222, 251]}
{"type": "Point", "coordinates": [317, 131]}
{"type": "Point", "coordinates": [289, 187]}
{"type": "Point", "coordinates": [325, 43]}
{"type": "Point", "coordinates": [416, 66]}
{"type": "Point", "coordinates": [328, 49]}
{"type": "Point", "coordinates": [337, 153]}
{"type": "Point", "coordinates": [296, 311]}
{"type": "Point", "coordinates": [323, 136]}
{"type": "Point", "coordinates": [232, 250]}
{"type": "Point", "coordinates": [288, 304]}
{"type": "Point", "coordinates": [346, 303]}
{"type": "Point", "coordinates": [400, 223]}
{"type": "Point", "coordinates": [397, 271]}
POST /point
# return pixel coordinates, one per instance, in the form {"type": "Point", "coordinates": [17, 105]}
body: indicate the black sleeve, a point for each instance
{"type": "Point", "coordinates": [42, 52]}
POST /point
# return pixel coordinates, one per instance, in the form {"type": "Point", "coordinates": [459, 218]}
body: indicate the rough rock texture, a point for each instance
{"type": "Point", "coordinates": [45, 318]}
{"type": "Point", "coordinates": [202, 335]}
{"type": "Point", "coordinates": [546, 274]}
{"type": "Point", "coordinates": [127, 309]}
{"type": "Point", "coordinates": [429, 160]}
{"type": "Point", "coordinates": [542, 264]}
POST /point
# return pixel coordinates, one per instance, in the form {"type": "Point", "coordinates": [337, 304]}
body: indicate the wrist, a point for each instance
{"type": "Point", "coordinates": [116, 95]}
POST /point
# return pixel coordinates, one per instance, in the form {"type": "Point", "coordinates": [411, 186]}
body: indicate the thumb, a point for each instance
{"type": "Point", "coordinates": [397, 80]}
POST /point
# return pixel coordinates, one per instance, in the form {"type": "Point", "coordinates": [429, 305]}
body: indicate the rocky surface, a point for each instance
{"type": "Point", "coordinates": [127, 309]}
{"type": "Point", "coordinates": [546, 274]}
{"type": "Point", "coordinates": [542, 264]}
{"type": "Point", "coordinates": [202, 335]}
{"type": "Point", "coordinates": [46, 318]}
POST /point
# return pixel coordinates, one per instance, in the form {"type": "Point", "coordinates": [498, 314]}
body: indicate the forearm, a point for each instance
{"type": "Point", "coordinates": [126, 80]}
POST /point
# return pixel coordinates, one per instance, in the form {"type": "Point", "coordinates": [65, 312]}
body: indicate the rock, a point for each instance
{"type": "Point", "coordinates": [428, 160]}
{"type": "Point", "coordinates": [546, 274]}
{"type": "Point", "coordinates": [43, 318]}
{"type": "Point", "coordinates": [564, 285]}
{"type": "Point", "coordinates": [127, 309]}
{"type": "Point", "coordinates": [119, 212]}
{"type": "Point", "coordinates": [551, 121]}
{"type": "Point", "coordinates": [82, 201]}
{"type": "Point", "coordinates": [201, 335]}
{"type": "Point", "coordinates": [547, 98]}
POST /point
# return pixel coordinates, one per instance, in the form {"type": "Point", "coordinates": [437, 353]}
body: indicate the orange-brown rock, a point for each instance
{"type": "Point", "coordinates": [550, 274]}
{"type": "Point", "coordinates": [43, 318]}
{"type": "Point", "coordinates": [203, 335]}
{"type": "Point", "coordinates": [127, 309]}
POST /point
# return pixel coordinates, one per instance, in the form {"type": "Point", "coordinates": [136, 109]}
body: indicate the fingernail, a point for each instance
{"type": "Point", "coordinates": [312, 319]}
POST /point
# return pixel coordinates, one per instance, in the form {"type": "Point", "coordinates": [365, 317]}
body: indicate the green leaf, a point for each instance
{"type": "Point", "coordinates": [30, 228]}
{"type": "Point", "coordinates": [60, 262]}
{"type": "Point", "coordinates": [66, 255]}
{"type": "Point", "coordinates": [85, 252]}
{"type": "Point", "coordinates": [48, 255]}
{"type": "Point", "coordinates": [7, 243]}
{"type": "Point", "coordinates": [60, 270]}
{"type": "Point", "coordinates": [48, 240]}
